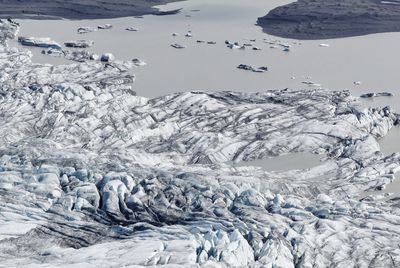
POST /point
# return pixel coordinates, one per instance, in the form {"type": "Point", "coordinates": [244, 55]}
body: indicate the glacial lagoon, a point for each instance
{"type": "Point", "coordinates": [370, 60]}
{"type": "Point", "coordinates": [91, 173]}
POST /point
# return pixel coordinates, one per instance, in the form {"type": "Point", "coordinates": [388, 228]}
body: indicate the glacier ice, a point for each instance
{"type": "Point", "coordinates": [92, 175]}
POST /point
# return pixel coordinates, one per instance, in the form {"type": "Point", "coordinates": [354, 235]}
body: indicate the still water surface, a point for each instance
{"type": "Point", "coordinates": [373, 59]}
{"type": "Point", "coordinates": [285, 162]}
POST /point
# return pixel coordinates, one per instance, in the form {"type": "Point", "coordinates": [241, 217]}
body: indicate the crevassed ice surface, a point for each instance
{"type": "Point", "coordinates": [371, 60]}
{"type": "Point", "coordinates": [93, 175]}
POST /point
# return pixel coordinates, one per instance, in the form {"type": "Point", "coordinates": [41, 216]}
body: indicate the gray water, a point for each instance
{"type": "Point", "coordinates": [371, 59]}
{"type": "Point", "coordinates": [391, 190]}
{"type": "Point", "coordinates": [391, 143]}
{"type": "Point", "coordinates": [393, 187]}
{"type": "Point", "coordinates": [286, 162]}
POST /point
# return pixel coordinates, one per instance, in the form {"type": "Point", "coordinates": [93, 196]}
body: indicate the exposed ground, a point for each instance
{"type": "Point", "coordinates": [78, 9]}
{"type": "Point", "coordinates": [322, 19]}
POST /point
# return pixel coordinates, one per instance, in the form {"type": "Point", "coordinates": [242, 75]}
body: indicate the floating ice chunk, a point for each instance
{"type": "Point", "coordinates": [379, 94]}
{"type": "Point", "coordinates": [178, 46]}
{"type": "Point", "coordinates": [139, 62]}
{"type": "Point", "coordinates": [44, 42]}
{"type": "Point", "coordinates": [104, 27]}
{"type": "Point", "coordinates": [250, 68]}
{"type": "Point", "coordinates": [233, 46]}
{"type": "Point", "coordinates": [86, 29]}
{"type": "Point", "coordinates": [79, 43]}
{"type": "Point", "coordinates": [131, 29]}
{"type": "Point", "coordinates": [53, 52]}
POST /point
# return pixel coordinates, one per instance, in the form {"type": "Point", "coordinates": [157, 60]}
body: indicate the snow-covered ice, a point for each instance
{"type": "Point", "coordinates": [92, 175]}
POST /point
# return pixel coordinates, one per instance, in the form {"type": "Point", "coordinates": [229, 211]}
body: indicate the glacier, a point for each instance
{"type": "Point", "coordinates": [92, 175]}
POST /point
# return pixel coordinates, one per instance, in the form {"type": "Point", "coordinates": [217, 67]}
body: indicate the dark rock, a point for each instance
{"type": "Point", "coordinates": [323, 19]}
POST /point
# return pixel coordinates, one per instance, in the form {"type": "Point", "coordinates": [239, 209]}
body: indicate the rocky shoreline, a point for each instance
{"type": "Point", "coordinates": [76, 9]}
{"type": "Point", "coordinates": [324, 19]}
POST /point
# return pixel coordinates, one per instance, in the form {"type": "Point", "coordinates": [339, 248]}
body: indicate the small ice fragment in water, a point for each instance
{"type": "Point", "coordinates": [131, 29]}
{"type": "Point", "coordinates": [139, 62]}
{"type": "Point", "coordinates": [79, 43]}
{"type": "Point", "coordinates": [82, 30]}
{"type": "Point", "coordinates": [104, 27]}
{"type": "Point", "coordinates": [177, 46]}
{"type": "Point", "coordinates": [250, 68]}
